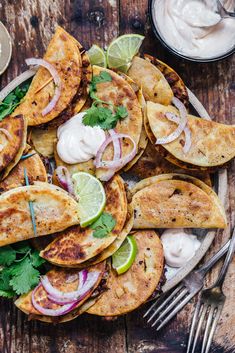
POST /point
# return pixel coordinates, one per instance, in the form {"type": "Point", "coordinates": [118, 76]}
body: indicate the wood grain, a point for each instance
{"type": "Point", "coordinates": [31, 24]}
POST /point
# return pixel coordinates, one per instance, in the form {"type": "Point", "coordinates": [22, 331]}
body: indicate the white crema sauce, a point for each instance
{"type": "Point", "coordinates": [193, 28]}
{"type": "Point", "coordinates": [77, 142]}
{"type": "Point", "coordinates": [179, 247]}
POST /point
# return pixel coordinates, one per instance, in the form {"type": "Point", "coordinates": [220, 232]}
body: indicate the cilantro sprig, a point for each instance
{"type": "Point", "coordinates": [103, 225]}
{"type": "Point", "coordinates": [19, 269]}
{"type": "Point", "coordinates": [8, 105]}
{"type": "Point", "coordinates": [99, 114]}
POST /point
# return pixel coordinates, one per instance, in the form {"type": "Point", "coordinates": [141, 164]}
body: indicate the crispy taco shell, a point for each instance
{"type": "Point", "coordinates": [63, 53]}
{"type": "Point", "coordinates": [58, 277]}
{"type": "Point", "coordinates": [12, 147]}
{"type": "Point", "coordinates": [176, 201]}
{"type": "Point", "coordinates": [35, 168]}
{"type": "Point", "coordinates": [155, 86]}
{"type": "Point", "coordinates": [152, 163]}
{"type": "Point", "coordinates": [213, 144]}
{"type": "Point", "coordinates": [119, 92]}
{"type": "Point", "coordinates": [75, 245]}
{"type": "Point", "coordinates": [131, 289]}
{"type": "Point", "coordinates": [175, 81]}
{"type": "Point", "coordinates": [43, 140]}
{"type": "Point", "coordinates": [55, 210]}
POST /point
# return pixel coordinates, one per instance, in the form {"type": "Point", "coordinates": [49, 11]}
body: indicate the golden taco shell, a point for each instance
{"type": "Point", "coordinates": [213, 144]}
{"type": "Point", "coordinates": [133, 288]}
{"type": "Point", "coordinates": [35, 168]}
{"type": "Point", "coordinates": [176, 201]}
{"type": "Point", "coordinates": [155, 86]}
{"type": "Point", "coordinates": [55, 210]}
{"type": "Point", "coordinates": [75, 245]}
{"type": "Point", "coordinates": [57, 277]}
{"type": "Point", "coordinates": [63, 53]}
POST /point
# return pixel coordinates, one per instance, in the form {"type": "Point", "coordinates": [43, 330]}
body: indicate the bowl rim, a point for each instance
{"type": "Point", "coordinates": [175, 52]}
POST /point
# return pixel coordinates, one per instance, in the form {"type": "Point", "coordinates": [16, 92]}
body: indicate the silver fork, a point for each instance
{"type": "Point", "coordinates": [210, 305]}
{"type": "Point", "coordinates": [168, 305]}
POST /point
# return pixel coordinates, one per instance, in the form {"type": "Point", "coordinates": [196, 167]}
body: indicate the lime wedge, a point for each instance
{"type": "Point", "coordinates": [124, 257]}
{"type": "Point", "coordinates": [122, 50]}
{"type": "Point", "coordinates": [91, 197]}
{"type": "Point", "coordinates": [97, 56]}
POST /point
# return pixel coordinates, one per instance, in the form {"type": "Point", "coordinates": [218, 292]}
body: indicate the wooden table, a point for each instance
{"type": "Point", "coordinates": [31, 24]}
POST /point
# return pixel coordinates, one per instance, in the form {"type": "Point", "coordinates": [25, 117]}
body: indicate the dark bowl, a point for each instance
{"type": "Point", "coordinates": [175, 52]}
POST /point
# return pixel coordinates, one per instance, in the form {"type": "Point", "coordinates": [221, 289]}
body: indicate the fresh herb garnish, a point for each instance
{"type": "Point", "coordinates": [103, 225]}
{"type": "Point", "coordinates": [19, 272]}
{"type": "Point", "coordinates": [98, 114]}
{"type": "Point", "coordinates": [8, 105]}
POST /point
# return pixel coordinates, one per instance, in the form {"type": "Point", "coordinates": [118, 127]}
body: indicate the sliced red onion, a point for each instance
{"type": "Point", "coordinates": [118, 163]}
{"type": "Point", "coordinates": [64, 309]}
{"type": "Point", "coordinates": [16, 82]}
{"type": "Point", "coordinates": [65, 301]}
{"type": "Point", "coordinates": [65, 179]}
{"type": "Point", "coordinates": [117, 153]}
{"type": "Point", "coordinates": [187, 132]}
{"type": "Point", "coordinates": [56, 78]}
{"type": "Point", "coordinates": [75, 295]}
{"type": "Point", "coordinates": [183, 121]}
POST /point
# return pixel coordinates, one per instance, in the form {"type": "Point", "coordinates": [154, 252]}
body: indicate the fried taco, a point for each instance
{"type": "Point", "coordinates": [120, 93]}
{"type": "Point", "coordinates": [12, 142]}
{"type": "Point", "coordinates": [212, 144]}
{"type": "Point", "coordinates": [64, 55]}
{"type": "Point", "coordinates": [175, 81]}
{"type": "Point", "coordinates": [34, 166]}
{"type": "Point", "coordinates": [152, 163]}
{"type": "Point", "coordinates": [54, 211]}
{"type": "Point", "coordinates": [133, 288]}
{"type": "Point", "coordinates": [40, 305]}
{"type": "Point", "coordinates": [75, 245]}
{"type": "Point", "coordinates": [176, 201]}
{"type": "Point", "coordinates": [155, 86]}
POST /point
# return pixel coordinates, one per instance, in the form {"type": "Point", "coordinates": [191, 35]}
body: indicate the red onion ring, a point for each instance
{"type": "Point", "coordinates": [187, 132]}
{"type": "Point", "coordinates": [117, 153]}
{"type": "Point", "coordinates": [56, 78]}
{"type": "Point", "coordinates": [16, 82]}
{"type": "Point", "coordinates": [64, 309]}
{"type": "Point", "coordinates": [183, 121]}
{"type": "Point", "coordinates": [83, 288]}
{"type": "Point", "coordinates": [118, 163]}
{"type": "Point", "coordinates": [65, 179]}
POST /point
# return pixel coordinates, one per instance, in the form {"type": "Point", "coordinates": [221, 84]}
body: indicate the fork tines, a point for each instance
{"type": "Point", "coordinates": [167, 306]}
{"type": "Point", "coordinates": [205, 315]}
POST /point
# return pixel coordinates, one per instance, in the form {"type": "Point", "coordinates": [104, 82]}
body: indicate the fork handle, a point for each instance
{"type": "Point", "coordinates": [210, 263]}
{"type": "Point", "coordinates": [220, 280]}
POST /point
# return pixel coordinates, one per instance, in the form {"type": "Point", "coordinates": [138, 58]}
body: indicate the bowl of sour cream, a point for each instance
{"type": "Point", "coordinates": [193, 29]}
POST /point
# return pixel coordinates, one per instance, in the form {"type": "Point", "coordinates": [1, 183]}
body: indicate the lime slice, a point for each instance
{"type": "Point", "coordinates": [122, 50]}
{"type": "Point", "coordinates": [97, 56]}
{"type": "Point", "coordinates": [91, 197]}
{"type": "Point", "coordinates": [124, 257]}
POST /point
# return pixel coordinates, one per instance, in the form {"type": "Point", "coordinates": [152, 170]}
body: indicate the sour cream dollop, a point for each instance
{"type": "Point", "coordinates": [193, 28]}
{"type": "Point", "coordinates": [77, 142]}
{"type": "Point", "coordinates": [179, 247]}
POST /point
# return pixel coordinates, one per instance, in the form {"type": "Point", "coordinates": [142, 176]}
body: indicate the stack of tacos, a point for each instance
{"type": "Point", "coordinates": [174, 188]}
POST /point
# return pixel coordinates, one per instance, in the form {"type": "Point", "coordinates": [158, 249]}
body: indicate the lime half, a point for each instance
{"type": "Point", "coordinates": [124, 257]}
{"type": "Point", "coordinates": [122, 50]}
{"type": "Point", "coordinates": [91, 197]}
{"type": "Point", "coordinates": [97, 56]}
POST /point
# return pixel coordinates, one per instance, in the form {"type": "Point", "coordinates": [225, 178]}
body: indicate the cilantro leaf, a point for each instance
{"type": "Point", "coordinates": [5, 279]}
{"type": "Point", "coordinates": [24, 276]}
{"type": "Point", "coordinates": [7, 294]}
{"type": "Point", "coordinates": [121, 112]}
{"type": "Point", "coordinates": [102, 77]}
{"type": "Point", "coordinates": [7, 255]}
{"type": "Point", "coordinates": [36, 260]}
{"type": "Point", "coordinates": [8, 105]}
{"type": "Point", "coordinates": [22, 247]}
{"type": "Point", "coordinates": [103, 225]}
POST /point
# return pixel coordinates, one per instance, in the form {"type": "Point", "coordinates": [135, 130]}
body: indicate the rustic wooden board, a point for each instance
{"type": "Point", "coordinates": [31, 24]}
